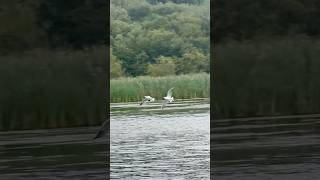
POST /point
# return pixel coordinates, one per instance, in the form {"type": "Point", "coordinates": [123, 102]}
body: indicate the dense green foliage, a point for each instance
{"type": "Point", "coordinates": [246, 19]}
{"type": "Point", "coordinates": [176, 1]}
{"type": "Point", "coordinates": [73, 24]}
{"type": "Point", "coordinates": [19, 30]}
{"type": "Point", "coordinates": [133, 89]}
{"type": "Point", "coordinates": [142, 32]}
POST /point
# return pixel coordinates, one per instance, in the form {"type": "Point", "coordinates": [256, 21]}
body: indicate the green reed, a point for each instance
{"type": "Point", "coordinates": [267, 76]}
{"type": "Point", "coordinates": [50, 89]}
{"type": "Point", "coordinates": [129, 89]}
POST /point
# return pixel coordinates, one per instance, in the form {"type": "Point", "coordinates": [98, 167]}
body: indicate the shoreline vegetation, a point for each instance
{"type": "Point", "coordinates": [52, 89]}
{"type": "Point", "coordinates": [133, 89]}
{"type": "Point", "coordinates": [266, 60]}
{"type": "Point", "coordinates": [267, 77]}
{"type": "Point", "coordinates": [53, 64]}
{"type": "Point", "coordinates": [52, 72]}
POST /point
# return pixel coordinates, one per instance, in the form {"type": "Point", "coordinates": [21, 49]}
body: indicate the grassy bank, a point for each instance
{"type": "Point", "coordinates": [48, 89]}
{"type": "Point", "coordinates": [271, 76]}
{"type": "Point", "coordinates": [185, 86]}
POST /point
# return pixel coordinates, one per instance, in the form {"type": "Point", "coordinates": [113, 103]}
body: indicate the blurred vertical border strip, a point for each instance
{"type": "Point", "coordinates": [107, 91]}
{"type": "Point", "coordinates": [211, 85]}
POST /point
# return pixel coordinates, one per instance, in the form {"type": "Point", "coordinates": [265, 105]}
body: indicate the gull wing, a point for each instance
{"type": "Point", "coordinates": [144, 100]}
{"type": "Point", "coordinates": [103, 130]}
{"type": "Point", "coordinates": [169, 93]}
{"type": "Point", "coordinates": [164, 103]}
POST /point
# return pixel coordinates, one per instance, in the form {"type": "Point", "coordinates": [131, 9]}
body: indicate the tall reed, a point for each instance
{"type": "Point", "coordinates": [129, 89]}
{"type": "Point", "coordinates": [49, 89]}
{"type": "Point", "coordinates": [264, 77]}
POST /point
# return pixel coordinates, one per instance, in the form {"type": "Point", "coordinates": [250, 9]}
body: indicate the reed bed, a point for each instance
{"type": "Point", "coordinates": [265, 77]}
{"type": "Point", "coordinates": [50, 89]}
{"type": "Point", "coordinates": [132, 89]}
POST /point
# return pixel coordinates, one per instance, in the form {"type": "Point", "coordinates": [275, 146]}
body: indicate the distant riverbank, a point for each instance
{"type": "Point", "coordinates": [128, 89]}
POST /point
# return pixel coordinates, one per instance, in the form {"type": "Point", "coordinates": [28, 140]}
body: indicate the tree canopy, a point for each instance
{"type": "Point", "coordinates": [74, 24]}
{"type": "Point", "coordinates": [144, 31]}
{"type": "Point", "coordinates": [247, 19]}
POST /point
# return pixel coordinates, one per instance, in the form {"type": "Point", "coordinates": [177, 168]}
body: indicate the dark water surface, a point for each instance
{"type": "Point", "coordinates": [150, 143]}
{"type": "Point", "coordinates": [147, 143]}
{"type": "Point", "coordinates": [277, 148]}
{"type": "Point", "coordinates": [52, 154]}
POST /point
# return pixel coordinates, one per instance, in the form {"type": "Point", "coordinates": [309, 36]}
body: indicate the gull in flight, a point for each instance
{"type": "Point", "coordinates": [168, 98]}
{"type": "Point", "coordinates": [147, 99]}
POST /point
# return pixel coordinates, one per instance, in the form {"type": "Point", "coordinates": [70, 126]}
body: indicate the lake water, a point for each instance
{"type": "Point", "coordinates": [277, 148]}
{"type": "Point", "coordinates": [146, 143]}
{"type": "Point", "coordinates": [150, 143]}
{"type": "Point", "coordinates": [52, 155]}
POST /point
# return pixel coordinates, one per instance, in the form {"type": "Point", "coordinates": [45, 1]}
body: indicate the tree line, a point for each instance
{"type": "Point", "coordinates": [247, 19]}
{"type": "Point", "coordinates": [156, 38]}
{"type": "Point", "coordinates": [51, 24]}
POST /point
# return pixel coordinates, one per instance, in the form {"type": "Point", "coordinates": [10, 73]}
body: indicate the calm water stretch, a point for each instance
{"type": "Point", "coordinates": [150, 143]}
{"type": "Point", "coordinates": [275, 148]}
{"type": "Point", "coordinates": [146, 143]}
{"type": "Point", "coordinates": [52, 154]}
